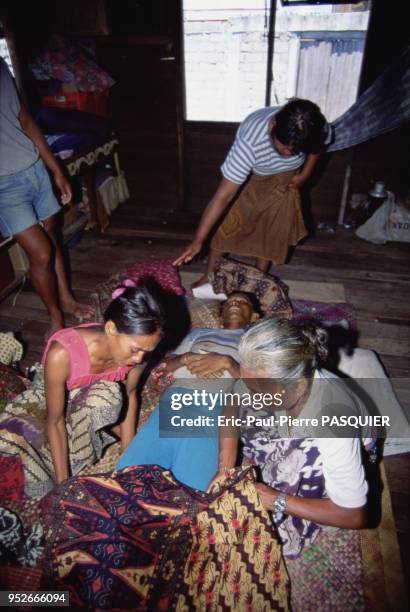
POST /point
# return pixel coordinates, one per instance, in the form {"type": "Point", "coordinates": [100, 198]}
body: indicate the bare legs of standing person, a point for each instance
{"type": "Point", "coordinates": [68, 303]}
{"type": "Point", "coordinates": [47, 273]}
{"type": "Point", "coordinates": [35, 243]}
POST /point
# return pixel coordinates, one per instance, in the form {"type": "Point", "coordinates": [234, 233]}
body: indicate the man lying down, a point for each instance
{"type": "Point", "coordinates": [212, 353]}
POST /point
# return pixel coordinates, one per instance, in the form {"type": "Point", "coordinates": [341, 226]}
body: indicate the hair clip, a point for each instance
{"type": "Point", "coordinates": [120, 290]}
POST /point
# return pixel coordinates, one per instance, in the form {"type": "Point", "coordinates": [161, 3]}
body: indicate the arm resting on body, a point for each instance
{"type": "Point", "coordinates": [174, 362]}
{"type": "Point", "coordinates": [206, 365]}
{"type": "Point", "coordinates": [220, 201]}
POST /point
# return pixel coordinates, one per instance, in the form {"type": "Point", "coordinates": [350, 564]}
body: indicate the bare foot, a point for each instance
{"type": "Point", "coordinates": [81, 312]}
{"type": "Point", "coordinates": [201, 281]}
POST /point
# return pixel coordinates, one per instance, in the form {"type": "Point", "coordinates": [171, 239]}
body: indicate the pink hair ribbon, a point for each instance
{"type": "Point", "coordinates": [120, 290]}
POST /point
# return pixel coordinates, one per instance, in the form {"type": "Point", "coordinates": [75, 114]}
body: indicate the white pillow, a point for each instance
{"type": "Point", "coordinates": [206, 292]}
{"type": "Point", "coordinates": [363, 365]}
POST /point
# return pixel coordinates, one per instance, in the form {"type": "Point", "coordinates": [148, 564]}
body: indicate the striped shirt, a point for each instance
{"type": "Point", "coordinates": [253, 150]}
{"type": "Point", "coordinates": [214, 340]}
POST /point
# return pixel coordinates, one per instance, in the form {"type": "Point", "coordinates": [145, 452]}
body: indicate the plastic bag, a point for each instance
{"type": "Point", "coordinates": [390, 222]}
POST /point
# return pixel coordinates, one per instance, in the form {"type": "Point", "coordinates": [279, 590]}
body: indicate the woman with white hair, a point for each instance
{"type": "Point", "coordinates": [310, 477]}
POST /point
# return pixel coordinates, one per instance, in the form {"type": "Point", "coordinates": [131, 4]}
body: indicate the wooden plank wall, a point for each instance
{"type": "Point", "coordinates": [144, 108]}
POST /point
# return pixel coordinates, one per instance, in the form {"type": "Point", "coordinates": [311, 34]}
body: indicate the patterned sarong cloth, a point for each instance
{"type": "Point", "coordinates": [264, 221]}
{"type": "Point", "coordinates": [22, 430]}
{"type": "Point", "coordinates": [19, 545]}
{"type": "Point", "coordinates": [294, 467]}
{"type": "Point", "coordinates": [138, 539]}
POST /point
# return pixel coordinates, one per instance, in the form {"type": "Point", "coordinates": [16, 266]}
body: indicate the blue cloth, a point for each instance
{"type": "Point", "coordinates": [26, 198]}
{"type": "Point", "coordinates": [191, 453]}
{"type": "Point", "coordinates": [383, 107]}
{"type": "Point", "coordinates": [77, 143]}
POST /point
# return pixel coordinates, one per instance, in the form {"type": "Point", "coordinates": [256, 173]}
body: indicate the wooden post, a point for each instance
{"type": "Point", "coordinates": [346, 186]}
{"type": "Point", "coordinates": [271, 41]}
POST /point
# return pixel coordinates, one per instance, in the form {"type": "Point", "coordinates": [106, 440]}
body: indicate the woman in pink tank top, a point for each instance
{"type": "Point", "coordinates": [78, 357]}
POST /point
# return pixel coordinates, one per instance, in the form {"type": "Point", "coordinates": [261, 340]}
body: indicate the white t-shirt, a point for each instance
{"type": "Point", "coordinates": [340, 458]}
{"type": "Point", "coordinates": [343, 471]}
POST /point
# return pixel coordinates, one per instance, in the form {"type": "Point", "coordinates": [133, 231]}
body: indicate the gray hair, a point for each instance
{"type": "Point", "coordinates": [283, 349]}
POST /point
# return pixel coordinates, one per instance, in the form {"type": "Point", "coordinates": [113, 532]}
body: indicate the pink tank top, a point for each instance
{"type": "Point", "coordinates": [80, 366]}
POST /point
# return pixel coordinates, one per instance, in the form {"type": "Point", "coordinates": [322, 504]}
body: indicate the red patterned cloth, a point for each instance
{"type": "Point", "coordinates": [11, 479]}
{"type": "Point", "coordinates": [161, 270]}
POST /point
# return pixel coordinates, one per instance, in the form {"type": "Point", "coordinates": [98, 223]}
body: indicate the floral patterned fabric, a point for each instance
{"type": "Point", "coordinates": [293, 466]}
{"type": "Point", "coordinates": [22, 430]}
{"type": "Point", "coordinates": [272, 293]}
{"type": "Point", "coordinates": [138, 539]}
{"type": "Point", "coordinates": [338, 313]}
{"type": "Point", "coordinates": [11, 384]}
{"type": "Point", "coordinates": [17, 544]}
{"type": "Point", "coordinates": [67, 62]}
{"type": "Point", "coordinates": [161, 270]}
{"type": "Point", "coordinates": [11, 350]}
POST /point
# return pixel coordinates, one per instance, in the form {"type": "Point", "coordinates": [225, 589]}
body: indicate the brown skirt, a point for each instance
{"type": "Point", "coordinates": [264, 221]}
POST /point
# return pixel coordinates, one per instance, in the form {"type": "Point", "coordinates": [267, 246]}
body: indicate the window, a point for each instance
{"type": "Point", "coordinates": [317, 54]}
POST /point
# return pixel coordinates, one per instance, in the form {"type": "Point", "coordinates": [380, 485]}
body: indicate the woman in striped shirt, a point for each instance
{"type": "Point", "coordinates": [278, 147]}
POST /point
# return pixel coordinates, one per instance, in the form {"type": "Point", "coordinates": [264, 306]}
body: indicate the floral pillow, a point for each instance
{"type": "Point", "coordinates": [272, 293]}
{"type": "Point", "coordinates": [11, 384]}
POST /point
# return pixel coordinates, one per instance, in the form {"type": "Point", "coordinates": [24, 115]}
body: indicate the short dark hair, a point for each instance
{"type": "Point", "coordinates": [136, 312]}
{"type": "Point", "coordinates": [300, 126]}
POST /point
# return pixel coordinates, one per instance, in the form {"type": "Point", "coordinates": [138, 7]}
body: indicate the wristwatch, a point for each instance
{"type": "Point", "coordinates": [279, 507]}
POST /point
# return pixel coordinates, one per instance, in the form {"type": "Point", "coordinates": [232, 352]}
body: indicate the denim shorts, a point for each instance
{"type": "Point", "coordinates": [26, 198]}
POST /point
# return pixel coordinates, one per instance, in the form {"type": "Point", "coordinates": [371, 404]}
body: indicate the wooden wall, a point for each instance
{"type": "Point", "coordinates": [144, 56]}
{"type": "Point", "coordinates": [387, 157]}
{"type": "Point", "coordinates": [144, 108]}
